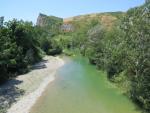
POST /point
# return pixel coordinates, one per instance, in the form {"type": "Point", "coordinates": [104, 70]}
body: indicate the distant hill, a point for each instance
{"type": "Point", "coordinates": [70, 24]}
{"type": "Point", "coordinates": [93, 15]}
{"type": "Point", "coordinates": [106, 19]}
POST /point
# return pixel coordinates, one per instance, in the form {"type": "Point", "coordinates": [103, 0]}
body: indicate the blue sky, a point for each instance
{"type": "Point", "coordinates": [29, 9]}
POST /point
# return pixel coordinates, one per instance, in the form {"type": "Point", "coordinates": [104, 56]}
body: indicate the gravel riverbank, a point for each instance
{"type": "Point", "coordinates": [21, 93]}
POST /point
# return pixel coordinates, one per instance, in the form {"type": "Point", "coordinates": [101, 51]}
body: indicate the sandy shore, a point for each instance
{"type": "Point", "coordinates": [33, 84]}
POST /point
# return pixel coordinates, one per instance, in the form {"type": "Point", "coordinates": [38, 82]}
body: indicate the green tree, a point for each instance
{"type": "Point", "coordinates": [18, 48]}
{"type": "Point", "coordinates": [136, 28]}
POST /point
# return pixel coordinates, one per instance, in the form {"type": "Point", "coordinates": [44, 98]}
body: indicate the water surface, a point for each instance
{"type": "Point", "coordinates": [80, 88]}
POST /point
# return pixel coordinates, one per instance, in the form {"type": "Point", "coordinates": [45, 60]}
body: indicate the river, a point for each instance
{"type": "Point", "coordinates": [80, 88]}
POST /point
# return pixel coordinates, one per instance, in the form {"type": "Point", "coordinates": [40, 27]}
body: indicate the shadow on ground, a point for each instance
{"type": "Point", "coordinates": [40, 65]}
{"type": "Point", "coordinates": [9, 94]}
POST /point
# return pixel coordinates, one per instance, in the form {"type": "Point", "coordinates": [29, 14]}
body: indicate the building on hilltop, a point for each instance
{"type": "Point", "coordinates": [67, 27]}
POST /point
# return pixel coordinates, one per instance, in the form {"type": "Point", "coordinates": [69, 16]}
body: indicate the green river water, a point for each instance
{"type": "Point", "coordinates": [80, 88]}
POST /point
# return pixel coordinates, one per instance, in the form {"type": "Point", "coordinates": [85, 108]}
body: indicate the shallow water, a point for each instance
{"type": "Point", "coordinates": [80, 88]}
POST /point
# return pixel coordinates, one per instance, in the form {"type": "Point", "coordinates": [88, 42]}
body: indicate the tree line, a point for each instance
{"type": "Point", "coordinates": [21, 45]}
{"type": "Point", "coordinates": [122, 50]}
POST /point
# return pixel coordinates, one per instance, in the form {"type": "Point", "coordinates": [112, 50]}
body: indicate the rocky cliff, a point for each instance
{"type": "Point", "coordinates": [48, 21]}
{"type": "Point", "coordinates": [51, 24]}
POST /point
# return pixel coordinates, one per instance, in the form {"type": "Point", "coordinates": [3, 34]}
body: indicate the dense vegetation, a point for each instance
{"type": "Point", "coordinates": [126, 50]}
{"type": "Point", "coordinates": [48, 27]}
{"type": "Point", "coordinates": [18, 48]}
{"type": "Point", "coordinates": [137, 48]}
{"type": "Point", "coordinates": [118, 43]}
{"type": "Point", "coordinates": [21, 45]}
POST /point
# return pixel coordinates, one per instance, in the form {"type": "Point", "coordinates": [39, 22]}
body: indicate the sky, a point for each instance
{"type": "Point", "coordinates": [29, 10]}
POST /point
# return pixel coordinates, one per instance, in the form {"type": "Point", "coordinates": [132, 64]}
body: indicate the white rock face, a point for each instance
{"type": "Point", "coordinates": [47, 21]}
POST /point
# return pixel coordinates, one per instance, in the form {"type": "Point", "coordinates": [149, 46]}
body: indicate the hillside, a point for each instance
{"type": "Point", "coordinates": [107, 19]}
{"type": "Point", "coordinates": [70, 24]}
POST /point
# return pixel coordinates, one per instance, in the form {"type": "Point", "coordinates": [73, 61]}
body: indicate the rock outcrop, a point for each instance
{"type": "Point", "coordinates": [51, 24]}
{"type": "Point", "coordinates": [48, 21]}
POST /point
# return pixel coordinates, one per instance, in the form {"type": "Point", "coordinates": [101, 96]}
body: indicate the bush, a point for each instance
{"type": "Point", "coordinates": [55, 51]}
{"type": "Point", "coordinates": [18, 48]}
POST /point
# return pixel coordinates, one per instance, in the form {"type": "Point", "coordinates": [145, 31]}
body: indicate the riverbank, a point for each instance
{"type": "Point", "coordinates": [21, 93]}
{"type": "Point", "coordinates": [81, 88]}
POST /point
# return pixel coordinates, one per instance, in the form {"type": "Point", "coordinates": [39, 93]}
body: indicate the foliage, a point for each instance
{"type": "Point", "coordinates": [122, 49]}
{"type": "Point", "coordinates": [55, 48]}
{"type": "Point", "coordinates": [48, 27]}
{"type": "Point", "coordinates": [137, 41]}
{"type": "Point", "coordinates": [118, 43]}
{"type": "Point", "coordinates": [18, 48]}
{"type": "Point", "coordinates": [125, 48]}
